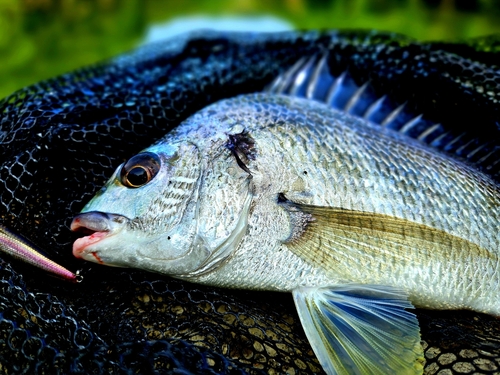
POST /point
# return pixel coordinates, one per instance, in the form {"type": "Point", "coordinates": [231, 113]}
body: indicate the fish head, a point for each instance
{"type": "Point", "coordinates": [180, 208]}
{"type": "Point", "coordinates": [146, 212]}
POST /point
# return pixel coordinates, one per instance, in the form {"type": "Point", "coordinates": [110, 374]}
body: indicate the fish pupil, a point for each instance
{"type": "Point", "coordinates": [140, 169]}
{"type": "Point", "coordinates": [137, 176]}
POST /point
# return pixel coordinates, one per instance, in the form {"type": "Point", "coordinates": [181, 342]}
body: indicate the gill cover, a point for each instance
{"type": "Point", "coordinates": [186, 211]}
{"type": "Point", "coordinates": [205, 208]}
{"type": "Point", "coordinates": [157, 191]}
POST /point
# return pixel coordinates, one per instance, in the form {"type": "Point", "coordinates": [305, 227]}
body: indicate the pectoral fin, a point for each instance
{"type": "Point", "coordinates": [353, 244]}
{"type": "Point", "coordinates": [361, 329]}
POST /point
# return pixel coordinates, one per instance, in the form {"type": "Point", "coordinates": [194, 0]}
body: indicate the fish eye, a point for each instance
{"type": "Point", "coordinates": [140, 169]}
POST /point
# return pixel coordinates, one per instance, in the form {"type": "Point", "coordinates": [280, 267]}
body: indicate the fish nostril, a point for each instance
{"type": "Point", "coordinates": [119, 219]}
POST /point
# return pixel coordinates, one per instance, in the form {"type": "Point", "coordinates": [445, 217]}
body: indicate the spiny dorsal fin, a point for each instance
{"type": "Point", "coordinates": [311, 78]}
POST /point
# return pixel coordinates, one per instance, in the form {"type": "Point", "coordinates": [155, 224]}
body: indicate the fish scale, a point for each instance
{"type": "Point", "coordinates": [383, 159]}
{"type": "Point", "coordinates": [445, 215]}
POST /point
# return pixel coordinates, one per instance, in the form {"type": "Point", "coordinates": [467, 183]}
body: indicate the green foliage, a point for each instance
{"type": "Point", "coordinates": [43, 38]}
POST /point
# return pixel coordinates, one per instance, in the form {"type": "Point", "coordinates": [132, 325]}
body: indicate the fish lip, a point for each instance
{"type": "Point", "coordinates": [98, 226]}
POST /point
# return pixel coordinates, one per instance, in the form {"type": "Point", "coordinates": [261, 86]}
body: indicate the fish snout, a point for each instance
{"type": "Point", "coordinates": [95, 221]}
{"type": "Point", "coordinates": [97, 226]}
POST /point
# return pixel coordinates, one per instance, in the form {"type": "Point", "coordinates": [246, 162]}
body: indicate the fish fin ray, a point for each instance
{"type": "Point", "coordinates": [332, 237]}
{"type": "Point", "coordinates": [360, 329]}
{"type": "Point", "coordinates": [282, 83]}
{"type": "Point", "coordinates": [311, 77]}
{"type": "Point", "coordinates": [334, 218]}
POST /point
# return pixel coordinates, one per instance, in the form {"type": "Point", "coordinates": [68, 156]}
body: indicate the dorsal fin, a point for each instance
{"type": "Point", "coordinates": [312, 78]}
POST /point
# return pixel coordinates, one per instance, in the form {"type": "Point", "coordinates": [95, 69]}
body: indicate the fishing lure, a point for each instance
{"type": "Point", "coordinates": [20, 248]}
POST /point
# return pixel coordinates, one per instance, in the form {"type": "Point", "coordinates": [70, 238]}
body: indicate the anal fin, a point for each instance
{"type": "Point", "coordinates": [361, 329]}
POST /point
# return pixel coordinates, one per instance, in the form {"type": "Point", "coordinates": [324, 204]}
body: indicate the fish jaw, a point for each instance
{"type": "Point", "coordinates": [114, 241]}
{"type": "Point", "coordinates": [101, 228]}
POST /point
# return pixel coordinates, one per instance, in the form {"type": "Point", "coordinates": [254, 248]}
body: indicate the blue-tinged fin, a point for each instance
{"type": "Point", "coordinates": [311, 78]}
{"type": "Point", "coordinates": [361, 329]}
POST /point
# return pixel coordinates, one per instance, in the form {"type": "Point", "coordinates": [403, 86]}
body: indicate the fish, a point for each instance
{"type": "Point", "coordinates": [273, 192]}
{"type": "Point", "coordinates": [63, 138]}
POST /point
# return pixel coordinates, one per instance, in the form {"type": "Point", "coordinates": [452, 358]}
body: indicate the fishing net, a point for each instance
{"type": "Point", "coordinates": [62, 138]}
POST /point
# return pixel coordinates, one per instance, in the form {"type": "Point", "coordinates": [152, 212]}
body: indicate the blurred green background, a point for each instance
{"type": "Point", "coordinates": [43, 38]}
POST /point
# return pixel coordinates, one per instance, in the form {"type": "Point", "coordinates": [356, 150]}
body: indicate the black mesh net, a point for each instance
{"type": "Point", "coordinates": [62, 138]}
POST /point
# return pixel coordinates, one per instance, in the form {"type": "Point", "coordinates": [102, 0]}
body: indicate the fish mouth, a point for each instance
{"type": "Point", "coordinates": [97, 226]}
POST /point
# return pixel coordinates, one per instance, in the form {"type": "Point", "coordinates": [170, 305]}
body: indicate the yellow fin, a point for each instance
{"type": "Point", "coordinates": [361, 329]}
{"type": "Point", "coordinates": [347, 241]}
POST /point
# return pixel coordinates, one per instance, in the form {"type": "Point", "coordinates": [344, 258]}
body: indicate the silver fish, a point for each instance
{"type": "Point", "coordinates": [271, 192]}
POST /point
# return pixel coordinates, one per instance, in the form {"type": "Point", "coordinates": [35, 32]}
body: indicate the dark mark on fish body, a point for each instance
{"type": "Point", "coordinates": [282, 198]}
{"type": "Point", "coordinates": [242, 146]}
